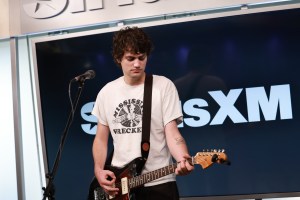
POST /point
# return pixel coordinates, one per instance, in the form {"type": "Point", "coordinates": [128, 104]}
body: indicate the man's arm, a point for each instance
{"type": "Point", "coordinates": [99, 155]}
{"type": "Point", "coordinates": [178, 148]}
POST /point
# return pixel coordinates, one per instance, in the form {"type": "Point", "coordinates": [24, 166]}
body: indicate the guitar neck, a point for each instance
{"type": "Point", "coordinates": [150, 176]}
{"type": "Point", "coordinates": [153, 175]}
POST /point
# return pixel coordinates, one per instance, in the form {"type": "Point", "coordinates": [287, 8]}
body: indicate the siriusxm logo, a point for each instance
{"type": "Point", "coordinates": [89, 128]}
{"type": "Point", "coordinates": [43, 9]}
{"type": "Point", "coordinates": [256, 100]}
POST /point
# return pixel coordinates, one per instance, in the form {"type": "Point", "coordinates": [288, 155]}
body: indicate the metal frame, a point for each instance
{"type": "Point", "coordinates": [17, 120]}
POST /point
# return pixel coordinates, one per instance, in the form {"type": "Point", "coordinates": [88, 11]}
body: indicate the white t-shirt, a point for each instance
{"type": "Point", "coordinates": [120, 106]}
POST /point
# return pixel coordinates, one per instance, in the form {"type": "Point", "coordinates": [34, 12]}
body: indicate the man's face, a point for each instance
{"type": "Point", "coordinates": [133, 65]}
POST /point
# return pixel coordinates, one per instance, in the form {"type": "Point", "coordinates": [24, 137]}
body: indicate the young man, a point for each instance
{"type": "Point", "coordinates": [119, 107]}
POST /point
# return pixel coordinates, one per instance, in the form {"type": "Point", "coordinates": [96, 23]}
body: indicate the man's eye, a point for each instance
{"type": "Point", "coordinates": [130, 58]}
{"type": "Point", "coordinates": [142, 58]}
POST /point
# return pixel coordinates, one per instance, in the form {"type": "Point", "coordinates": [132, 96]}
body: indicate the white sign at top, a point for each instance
{"type": "Point", "coordinates": [51, 15]}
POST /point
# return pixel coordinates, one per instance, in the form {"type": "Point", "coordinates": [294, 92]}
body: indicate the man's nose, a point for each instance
{"type": "Point", "coordinates": [136, 63]}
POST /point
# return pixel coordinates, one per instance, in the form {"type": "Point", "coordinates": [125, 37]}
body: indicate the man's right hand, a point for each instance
{"type": "Point", "coordinates": [107, 180]}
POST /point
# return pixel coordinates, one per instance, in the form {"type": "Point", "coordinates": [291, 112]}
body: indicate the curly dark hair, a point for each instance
{"type": "Point", "coordinates": [132, 39]}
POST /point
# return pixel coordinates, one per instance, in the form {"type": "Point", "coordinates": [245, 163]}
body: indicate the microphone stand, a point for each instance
{"type": "Point", "coordinates": [49, 190]}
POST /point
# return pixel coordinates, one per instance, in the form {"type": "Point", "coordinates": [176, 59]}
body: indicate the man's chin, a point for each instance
{"type": "Point", "coordinates": [137, 75]}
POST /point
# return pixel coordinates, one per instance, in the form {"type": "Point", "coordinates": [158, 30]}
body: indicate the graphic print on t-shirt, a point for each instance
{"type": "Point", "coordinates": [129, 115]}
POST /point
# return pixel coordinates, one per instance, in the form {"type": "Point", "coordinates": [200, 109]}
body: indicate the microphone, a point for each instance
{"type": "Point", "coordinates": [90, 74]}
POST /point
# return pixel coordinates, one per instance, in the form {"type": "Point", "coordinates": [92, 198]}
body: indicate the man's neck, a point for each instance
{"type": "Point", "coordinates": [135, 80]}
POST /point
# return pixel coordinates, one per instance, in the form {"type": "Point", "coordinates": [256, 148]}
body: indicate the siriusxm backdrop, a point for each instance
{"type": "Point", "coordinates": [238, 80]}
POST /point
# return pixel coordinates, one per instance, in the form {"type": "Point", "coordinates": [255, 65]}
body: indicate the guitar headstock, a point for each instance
{"type": "Point", "coordinates": [207, 158]}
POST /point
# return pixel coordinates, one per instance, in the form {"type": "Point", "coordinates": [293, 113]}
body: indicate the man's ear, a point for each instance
{"type": "Point", "coordinates": [119, 63]}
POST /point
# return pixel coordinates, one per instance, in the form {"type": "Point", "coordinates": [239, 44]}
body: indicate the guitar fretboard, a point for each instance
{"type": "Point", "coordinates": [153, 175]}
{"type": "Point", "coordinates": [150, 176]}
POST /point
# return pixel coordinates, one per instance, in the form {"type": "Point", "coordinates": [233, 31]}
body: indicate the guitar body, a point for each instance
{"type": "Point", "coordinates": [132, 169]}
{"type": "Point", "coordinates": [129, 178]}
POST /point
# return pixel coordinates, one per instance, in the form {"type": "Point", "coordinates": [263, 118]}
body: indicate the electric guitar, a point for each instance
{"type": "Point", "coordinates": [128, 177]}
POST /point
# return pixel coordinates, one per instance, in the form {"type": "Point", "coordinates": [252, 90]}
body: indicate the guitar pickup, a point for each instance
{"type": "Point", "coordinates": [124, 185]}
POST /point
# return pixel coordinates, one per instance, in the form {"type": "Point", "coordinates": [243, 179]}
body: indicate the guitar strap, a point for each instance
{"type": "Point", "coordinates": [145, 144]}
{"type": "Point", "coordinates": [146, 120]}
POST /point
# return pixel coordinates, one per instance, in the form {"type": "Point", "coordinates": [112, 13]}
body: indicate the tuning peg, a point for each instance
{"type": "Point", "coordinates": [225, 162]}
{"type": "Point", "coordinates": [214, 158]}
